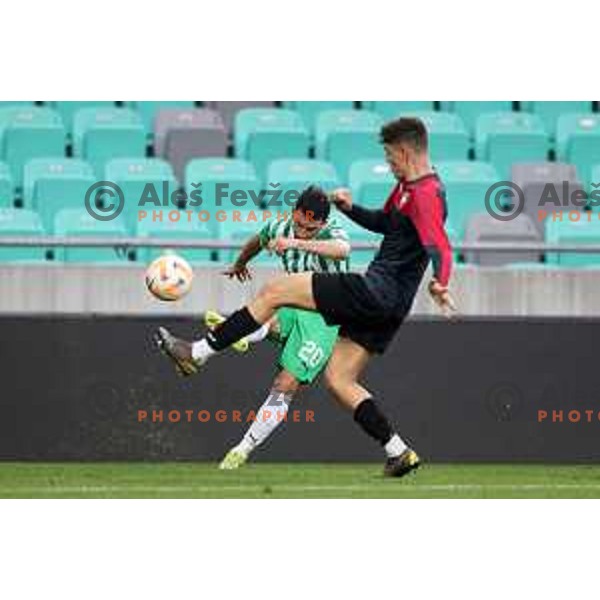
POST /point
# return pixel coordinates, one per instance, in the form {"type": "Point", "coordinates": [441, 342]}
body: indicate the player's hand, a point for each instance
{"type": "Point", "coordinates": [280, 245]}
{"type": "Point", "coordinates": [441, 296]}
{"type": "Point", "coordinates": [238, 271]}
{"type": "Point", "coordinates": [342, 198]}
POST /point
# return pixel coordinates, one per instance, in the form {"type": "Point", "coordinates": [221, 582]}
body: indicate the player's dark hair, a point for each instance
{"type": "Point", "coordinates": [405, 130]}
{"type": "Point", "coordinates": [313, 201]}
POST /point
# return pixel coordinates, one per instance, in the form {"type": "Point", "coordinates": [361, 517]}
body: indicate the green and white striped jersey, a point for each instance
{"type": "Point", "coordinates": [298, 261]}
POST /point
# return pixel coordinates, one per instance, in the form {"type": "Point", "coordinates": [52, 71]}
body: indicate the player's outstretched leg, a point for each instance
{"type": "Point", "coordinates": [179, 351]}
{"type": "Point", "coordinates": [213, 319]}
{"type": "Point", "coordinates": [271, 414]}
{"type": "Point", "coordinates": [345, 367]}
{"type": "Point", "coordinates": [295, 330]}
{"type": "Point", "coordinates": [290, 290]}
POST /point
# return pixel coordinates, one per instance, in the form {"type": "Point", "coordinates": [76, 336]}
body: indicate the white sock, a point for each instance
{"type": "Point", "coordinates": [201, 351]}
{"type": "Point", "coordinates": [395, 447]}
{"type": "Point", "coordinates": [259, 335]}
{"type": "Point", "coordinates": [269, 416]}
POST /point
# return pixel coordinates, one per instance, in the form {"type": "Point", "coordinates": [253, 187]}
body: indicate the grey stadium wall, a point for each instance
{"type": "Point", "coordinates": [73, 388]}
{"type": "Point", "coordinates": [58, 288]}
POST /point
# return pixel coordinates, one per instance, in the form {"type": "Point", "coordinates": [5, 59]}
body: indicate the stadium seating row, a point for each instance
{"type": "Point", "coordinates": [262, 135]}
{"type": "Point", "coordinates": [523, 230]}
{"type": "Point", "coordinates": [78, 223]}
{"type": "Point", "coordinates": [50, 185]}
{"type": "Point", "coordinates": [272, 145]}
{"type": "Point", "coordinates": [173, 224]}
{"type": "Point", "coordinates": [469, 111]}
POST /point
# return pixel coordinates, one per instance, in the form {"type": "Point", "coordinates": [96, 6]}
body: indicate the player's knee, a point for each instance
{"type": "Point", "coordinates": [285, 383]}
{"type": "Point", "coordinates": [274, 328]}
{"type": "Point", "coordinates": [335, 382]}
{"type": "Point", "coordinates": [328, 378]}
{"type": "Point", "coordinates": [272, 291]}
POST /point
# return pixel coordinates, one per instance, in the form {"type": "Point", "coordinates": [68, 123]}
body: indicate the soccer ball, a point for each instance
{"type": "Point", "coordinates": [169, 277]}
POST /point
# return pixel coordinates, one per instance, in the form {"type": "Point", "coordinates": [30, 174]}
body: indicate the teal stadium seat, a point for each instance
{"type": "Point", "coordinates": [580, 232]}
{"type": "Point", "coordinates": [185, 228]}
{"type": "Point", "coordinates": [77, 222]}
{"type": "Point", "coordinates": [595, 190]}
{"type": "Point", "coordinates": [310, 110]}
{"type": "Point", "coordinates": [101, 134]}
{"type": "Point", "coordinates": [53, 184]}
{"type": "Point", "coordinates": [343, 136]}
{"type": "Point", "coordinates": [263, 134]}
{"type": "Point", "coordinates": [356, 233]}
{"type": "Point", "coordinates": [20, 222]}
{"type": "Point", "coordinates": [578, 142]}
{"type": "Point", "coordinates": [550, 111]}
{"type": "Point", "coordinates": [8, 107]}
{"type": "Point", "coordinates": [296, 174]}
{"type": "Point", "coordinates": [466, 183]}
{"type": "Point", "coordinates": [18, 103]}
{"type": "Point", "coordinates": [248, 224]}
{"type": "Point", "coordinates": [7, 113]}
{"type": "Point", "coordinates": [394, 109]}
{"type": "Point", "coordinates": [221, 179]}
{"type": "Point", "coordinates": [27, 133]}
{"type": "Point", "coordinates": [507, 138]}
{"type": "Point", "coordinates": [68, 108]}
{"type": "Point", "coordinates": [448, 136]}
{"type": "Point", "coordinates": [147, 109]}
{"type": "Point", "coordinates": [469, 111]}
{"type": "Point", "coordinates": [141, 181]}
{"type": "Point", "coordinates": [6, 187]}
{"type": "Point", "coordinates": [371, 182]}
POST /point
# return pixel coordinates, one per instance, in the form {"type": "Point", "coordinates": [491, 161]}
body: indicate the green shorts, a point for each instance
{"type": "Point", "coordinates": [307, 342]}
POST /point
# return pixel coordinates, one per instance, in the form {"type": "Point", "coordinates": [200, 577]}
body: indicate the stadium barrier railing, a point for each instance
{"type": "Point", "coordinates": [136, 242]}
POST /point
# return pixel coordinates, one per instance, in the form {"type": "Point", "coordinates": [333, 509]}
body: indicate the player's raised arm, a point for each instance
{"type": "Point", "coordinates": [335, 249]}
{"type": "Point", "coordinates": [336, 246]}
{"type": "Point", "coordinates": [249, 250]}
{"type": "Point", "coordinates": [314, 232]}
{"type": "Point", "coordinates": [373, 220]}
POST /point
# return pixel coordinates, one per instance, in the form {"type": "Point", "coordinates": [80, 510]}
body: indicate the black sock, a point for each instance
{"type": "Point", "coordinates": [240, 324]}
{"type": "Point", "coordinates": [373, 421]}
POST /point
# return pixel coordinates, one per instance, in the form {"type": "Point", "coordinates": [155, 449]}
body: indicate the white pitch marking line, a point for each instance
{"type": "Point", "coordinates": [295, 488]}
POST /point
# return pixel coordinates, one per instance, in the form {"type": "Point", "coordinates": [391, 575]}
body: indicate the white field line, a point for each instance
{"type": "Point", "coordinates": [200, 489]}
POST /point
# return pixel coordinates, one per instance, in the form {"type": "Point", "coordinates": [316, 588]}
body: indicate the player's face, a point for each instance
{"type": "Point", "coordinates": [306, 227]}
{"type": "Point", "coordinates": [397, 157]}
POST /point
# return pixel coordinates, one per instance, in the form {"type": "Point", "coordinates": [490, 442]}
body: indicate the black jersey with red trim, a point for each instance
{"type": "Point", "coordinates": [412, 224]}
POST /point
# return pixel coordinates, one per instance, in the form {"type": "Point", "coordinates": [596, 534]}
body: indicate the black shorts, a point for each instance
{"type": "Point", "coordinates": [345, 300]}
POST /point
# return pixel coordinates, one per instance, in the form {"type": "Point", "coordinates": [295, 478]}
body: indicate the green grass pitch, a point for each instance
{"type": "Point", "coordinates": [204, 480]}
